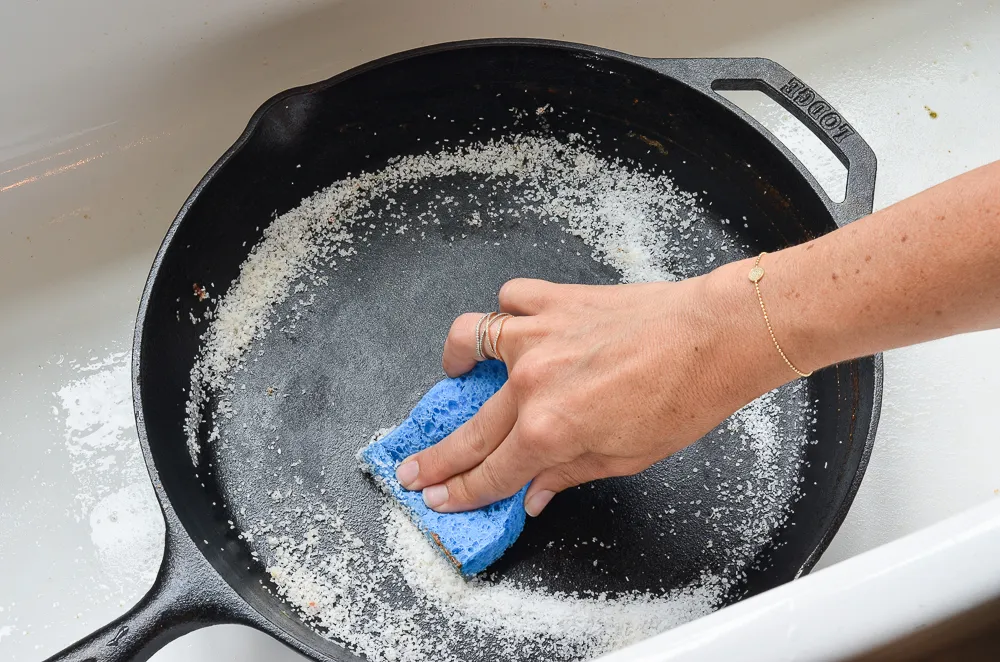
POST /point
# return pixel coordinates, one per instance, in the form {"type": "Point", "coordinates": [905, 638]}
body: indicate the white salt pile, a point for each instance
{"type": "Point", "coordinates": [403, 601]}
{"type": "Point", "coordinates": [352, 592]}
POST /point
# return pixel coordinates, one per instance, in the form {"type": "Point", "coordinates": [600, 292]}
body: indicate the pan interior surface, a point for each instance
{"type": "Point", "coordinates": [277, 497]}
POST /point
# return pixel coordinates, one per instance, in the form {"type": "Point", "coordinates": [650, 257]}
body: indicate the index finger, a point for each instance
{"type": "Point", "coordinates": [502, 474]}
{"type": "Point", "coordinates": [464, 448]}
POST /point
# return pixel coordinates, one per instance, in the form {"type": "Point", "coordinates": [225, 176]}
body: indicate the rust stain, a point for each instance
{"type": "Point", "coordinates": [774, 198]}
{"type": "Point", "coordinates": [655, 144]}
{"type": "Point", "coordinates": [447, 552]}
{"type": "Point", "coordinates": [768, 190]}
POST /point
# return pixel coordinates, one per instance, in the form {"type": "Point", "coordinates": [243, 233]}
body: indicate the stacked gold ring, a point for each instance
{"type": "Point", "coordinates": [485, 337]}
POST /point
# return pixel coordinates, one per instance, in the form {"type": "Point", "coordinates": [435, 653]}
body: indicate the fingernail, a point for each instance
{"type": "Point", "coordinates": [536, 502]}
{"type": "Point", "coordinates": [407, 472]}
{"type": "Point", "coordinates": [435, 495]}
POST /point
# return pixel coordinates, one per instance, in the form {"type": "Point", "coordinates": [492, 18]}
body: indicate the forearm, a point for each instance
{"type": "Point", "coordinates": [925, 268]}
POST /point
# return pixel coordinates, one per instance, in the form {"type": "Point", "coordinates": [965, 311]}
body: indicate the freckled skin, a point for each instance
{"type": "Point", "coordinates": [595, 369]}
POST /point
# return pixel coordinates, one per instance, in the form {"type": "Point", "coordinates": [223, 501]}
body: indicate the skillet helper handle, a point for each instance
{"type": "Point", "coordinates": [131, 638]}
{"type": "Point", "coordinates": [179, 602]}
{"type": "Point", "coordinates": [805, 104]}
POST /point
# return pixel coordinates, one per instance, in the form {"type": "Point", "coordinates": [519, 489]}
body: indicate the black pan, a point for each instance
{"type": "Point", "coordinates": [662, 115]}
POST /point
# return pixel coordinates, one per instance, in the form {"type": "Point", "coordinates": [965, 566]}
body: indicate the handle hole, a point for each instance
{"type": "Point", "coordinates": [800, 141]}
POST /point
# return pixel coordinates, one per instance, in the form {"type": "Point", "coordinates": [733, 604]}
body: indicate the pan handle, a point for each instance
{"type": "Point", "coordinates": [712, 74]}
{"type": "Point", "coordinates": [186, 596]}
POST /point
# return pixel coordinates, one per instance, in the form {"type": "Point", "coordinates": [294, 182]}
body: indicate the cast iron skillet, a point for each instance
{"type": "Point", "coordinates": [662, 114]}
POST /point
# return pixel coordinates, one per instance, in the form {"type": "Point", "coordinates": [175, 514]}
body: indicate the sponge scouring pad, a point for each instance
{"type": "Point", "coordinates": [471, 540]}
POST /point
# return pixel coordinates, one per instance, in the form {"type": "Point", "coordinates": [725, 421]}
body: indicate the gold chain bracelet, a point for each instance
{"type": "Point", "coordinates": [756, 275]}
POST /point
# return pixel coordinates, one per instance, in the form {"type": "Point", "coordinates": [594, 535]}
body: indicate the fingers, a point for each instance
{"type": "Point", "coordinates": [466, 447]}
{"type": "Point", "coordinates": [519, 297]}
{"type": "Point", "coordinates": [502, 474]}
{"type": "Point", "coordinates": [526, 296]}
{"type": "Point", "coordinates": [482, 462]}
{"type": "Point", "coordinates": [558, 478]}
{"type": "Point", "coordinates": [460, 347]}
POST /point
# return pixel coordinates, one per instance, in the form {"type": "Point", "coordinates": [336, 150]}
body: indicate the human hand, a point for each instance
{"type": "Point", "coordinates": [603, 381]}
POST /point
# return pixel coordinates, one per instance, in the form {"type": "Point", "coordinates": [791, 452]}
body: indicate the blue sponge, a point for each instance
{"type": "Point", "coordinates": [471, 540]}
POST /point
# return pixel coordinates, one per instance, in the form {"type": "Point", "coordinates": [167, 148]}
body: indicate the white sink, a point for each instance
{"type": "Point", "coordinates": [111, 112]}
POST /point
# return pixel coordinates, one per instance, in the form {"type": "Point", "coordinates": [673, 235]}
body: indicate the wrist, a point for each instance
{"type": "Point", "coordinates": [745, 350]}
